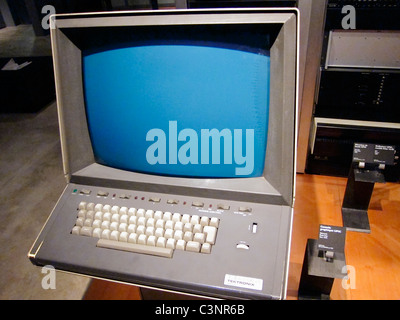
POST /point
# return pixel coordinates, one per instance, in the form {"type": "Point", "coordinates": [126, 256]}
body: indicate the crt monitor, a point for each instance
{"type": "Point", "coordinates": [190, 112]}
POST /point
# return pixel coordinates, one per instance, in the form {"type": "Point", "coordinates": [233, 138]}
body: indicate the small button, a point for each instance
{"type": "Point", "coordinates": [85, 191]}
{"type": "Point", "coordinates": [197, 204]}
{"type": "Point", "coordinates": [124, 196]}
{"type": "Point", "coordinates": [172, 201]}
{"type": "Point", "coordinates": [154, 199]}
{"type": "Point", "coordinates": [242, 246]}
{"type": "Point", "coordinates": [101, 193]}
{"type": "Point", "coordinates": [244, 209]}
{"type": "Point", "coordinates": [223, 207]}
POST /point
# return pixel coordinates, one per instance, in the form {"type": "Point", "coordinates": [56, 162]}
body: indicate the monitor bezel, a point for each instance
{"type": "Point", "coordinates": [276, 186]}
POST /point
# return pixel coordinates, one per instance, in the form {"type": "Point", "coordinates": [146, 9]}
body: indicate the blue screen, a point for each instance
{"type": "Point", "coordinates": [178, 110]}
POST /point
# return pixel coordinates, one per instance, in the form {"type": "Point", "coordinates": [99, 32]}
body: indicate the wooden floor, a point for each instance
{"type": "Point", "coordinates": [373, 259]}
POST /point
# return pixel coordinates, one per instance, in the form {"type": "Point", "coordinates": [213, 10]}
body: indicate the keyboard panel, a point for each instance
{"type": "Point", "coordinates": [251, 242]}
{"type": "Point", "coordinates": [145, 230]}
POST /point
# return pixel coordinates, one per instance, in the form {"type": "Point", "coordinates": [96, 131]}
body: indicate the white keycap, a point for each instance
{"type": "Point", "coordinates": [88, 223]}
{"type": "Point", "coordinates": [123, 210]}
{"type": "Point", "coordinates": [90, 214]}
{"type": "Point", "coordinates": [170, 243]}
{"type": "Point", "coordinates": [82, 205]}
{"type": "Point", "coordinates": [98, 215]}
{"type": "Point", "coordinates": [98, 207]}
{"type": "Point", "coordinates": [114, 226]}
{"type": "Point", "coordinates": [132, 220]}
{"type": "Point", "coordinates": [167, 216]}
{"type": "Point", "coordinates": [151, 222]}
{"type": "Point", "coordinates": [140, 213]}
{"type": "Point", "coordinates": [149, 214]}
{"type": "Point", "coordinates": [123, 227]}
{"type": "Point", "coordinates": [193, 246]}
{"type": "Point", "coordinates": [132, 212]}
{"type": "Point", "coordinates": [187, 227]}
{"type": "Point", "coordinates": [149, 231]}
{"type": "Point", "coordinates": [142, 239]}
{"type": "Point", "coordinates": [205, 248]}
{"type": "Point", "coordinates": [169, 233]}
{"type": "Point", "coordinates": [214, 222]}
{"type": "Point", "coordinates": [185, 218]}
{"type": "Point", "coordinates": [90, 206]}
{"type": "Point", "coordinates": [132, 238]}
{"type": "Point", "coordinates": [82, 214]}
{"type": "Point", "coordinates": [105, 225]}
{"type": "Point", "coordinates": [107, 216]}
{"type": "Point", "coordinates": [176, 217]}
{"type": "Point", "coordinates": [169, 224]}
{"type": "Point", "coordinates": [195, 219]}
{"type": "Point", "coordinates": [188, 236]}
{"type": "Point", "coordinates": [178, 235]}
{"type": "Point", "coordinates": [204, 221]}
{"type": "Point", "coordinates": [158, 215]}
{"type": "Point", "coordinates": [76, 230]}
{"type": "Point", "coordinates": [151, 241]}
{"type": "Point", "coordinates": [199, 237]}
{"type": "Point", "coordinates": [124, 218]}
{"type": "Point", "coordinates": [140, 230]}
{"type": "Point", "coordinates": [160, 223]}
{"type": "Point", "coordinates": [96, 224]}
{"type": "Point", "coordinates": [115, 217]}
{"type": "Point", "coordinates": [97, 233]}
{"type": "Point", "coordinates": [106, 234]}
{"type": "Point", "coordinates": [114, 235]}
{"type": "Point", "coordinates": [123, 236]}
{"type": "Point", "coordinates": [178, 225]}
{"type": "Point", "coordinates": [86, 231]}
{"type": "Point", "coordinates": [80, 221]}
{"type": "Point", "coordinates": [106, 208]}
{"type": "Point", "coordinates": [159, 232]}
{"type": "Point", "coordinates": [137, 248]}
{"type": "Point", "coordinates": [180, 245]}
{"type": "Point", "coordinates": [161, 242]}
{"type": "Point", "coordinates": [198, 228]}
{"type": "Point", "coordinates": [211, 233]}
{"type": "Point", "coordinates": [132, 228]}
{"type": "Point", "coordinates": [114, 209]}
{"type": "Point", "coordinates": [141, 221]}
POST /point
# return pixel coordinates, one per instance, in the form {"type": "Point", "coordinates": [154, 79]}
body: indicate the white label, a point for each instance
{"type": "Point", "coordinates": [243, 282]}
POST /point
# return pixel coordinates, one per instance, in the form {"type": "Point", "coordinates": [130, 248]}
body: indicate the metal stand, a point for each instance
{"type": "Point", "coordinates": [369, 162]}
{"type": "Point", "coordinates": [360, 185]}
{"type": "Point", "coordinates": [319, 271]}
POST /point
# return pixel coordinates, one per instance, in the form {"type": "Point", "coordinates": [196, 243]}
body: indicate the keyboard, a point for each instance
{"type": "Point", "coordinates": [144, 231]}
{"type": "Point", "coordinates": [228, 248]}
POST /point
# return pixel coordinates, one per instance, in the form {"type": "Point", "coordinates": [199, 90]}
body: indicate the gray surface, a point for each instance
{"type": "Point", "coordinates": [31, 181]}
{"type": "Point", "coordinates": [363, 49]}
{"type": "Point", "coordinates": [20, 41]}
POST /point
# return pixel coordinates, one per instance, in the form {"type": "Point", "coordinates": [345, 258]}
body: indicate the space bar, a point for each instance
{"type": "Point", "coordinates": [133, 247]}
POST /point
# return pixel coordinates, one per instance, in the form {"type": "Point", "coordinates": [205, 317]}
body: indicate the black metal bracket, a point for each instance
{"type": "Point", "coordinates": [359, 188]}
{"type": "Point", "coordinates": [369, 163]}
{"type": "Point", "coordinates": [319, 272]}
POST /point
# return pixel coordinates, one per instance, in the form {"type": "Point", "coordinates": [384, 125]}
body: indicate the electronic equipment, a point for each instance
{"type": "Point", "coordinates": [356, 92]}
{"type": "Point", "coordinates": [147, 100]}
